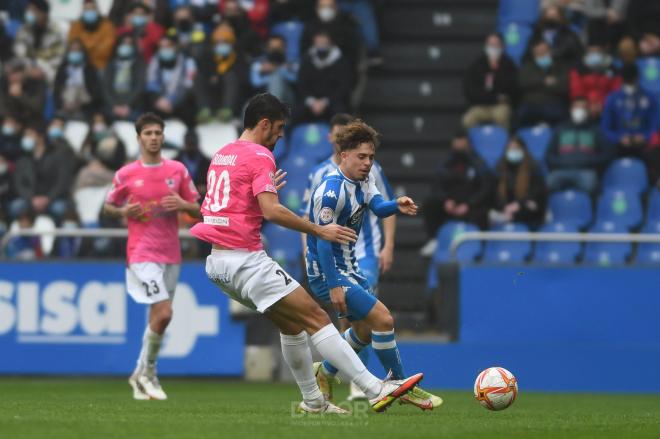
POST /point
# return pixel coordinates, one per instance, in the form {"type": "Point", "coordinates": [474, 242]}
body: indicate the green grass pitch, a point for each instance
{"type": "Point", "coordinates": [102, 408]}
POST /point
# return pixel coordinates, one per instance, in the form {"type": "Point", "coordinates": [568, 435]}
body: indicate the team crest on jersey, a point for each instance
{"type": "Point", "coordinates": [169, 182]}
{"type": "Point", "coordinates": [326, 214]}
{"type": "Point", "coordinates": [330, 194]}
{"type": "Point", "coordinates": [356, 218]}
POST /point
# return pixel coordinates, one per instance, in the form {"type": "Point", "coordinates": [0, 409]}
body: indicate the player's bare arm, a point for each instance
{"type": "Point", "coordinates": [386, 255]}
{"type": "Point", "coordinates": [275, 212]}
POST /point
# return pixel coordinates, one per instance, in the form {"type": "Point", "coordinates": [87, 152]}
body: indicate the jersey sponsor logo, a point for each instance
{"type": "Point", "coordinates": [327, 214]}
{"type": "Point", "coordinates": [216, 220]}
{"type": "Point", "coordinates": [224, 160]}
{"type": "Point", "coordinates": [330, 194]}
{"type": "Point", "coordinates": [356, 218]}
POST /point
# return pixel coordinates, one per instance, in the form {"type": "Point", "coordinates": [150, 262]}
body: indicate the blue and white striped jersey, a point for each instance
{"type": "Point", "coordinates": [370, 240]}
{"type": "Point", "coordinates": [343, 201]}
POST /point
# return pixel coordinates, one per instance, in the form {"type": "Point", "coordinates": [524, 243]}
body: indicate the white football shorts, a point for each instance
{"type": "Point", "coordinates": [250, 278]}
{"type": "Point", "coordinates": [152, 282]}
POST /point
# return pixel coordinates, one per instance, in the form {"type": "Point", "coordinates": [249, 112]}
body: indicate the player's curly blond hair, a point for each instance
{"type": "Point", "coordinates": [356, 133]}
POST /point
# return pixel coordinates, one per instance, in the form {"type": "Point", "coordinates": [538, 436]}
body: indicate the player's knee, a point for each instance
{"type": "Point", "coordinates": [164, 316]}
{"type": "Point", "coordinates": [384, 321]}
{"type": "Point", "coordinates": [315, 318]}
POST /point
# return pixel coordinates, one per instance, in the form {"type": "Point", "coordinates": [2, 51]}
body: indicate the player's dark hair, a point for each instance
{"type": "Point", "coordinates": [356, 133]}
{"type": "Point", "coordinates": [148, 119]}
{"type": "Point", "coordinates": [341, 119]}
{"type": "Point", "coordinates": [264, 106]}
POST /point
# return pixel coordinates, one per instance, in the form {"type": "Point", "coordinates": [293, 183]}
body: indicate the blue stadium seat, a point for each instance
{"type": "Point", "coordinates": [489, 141]}
{"type": "Point", "coordinates": [297, 167]}
{"type": "Point", "coordinates": [649, 253]}
{"type": "Point", "coordinates": [626, 174]}
{"type": "Point", "coordinates": [466, 253]}
{"type": "Point", "coordinates": [291, 31]}
{"type": "Point", "coordinates": [570, 207]}
{"type": "Point", "coordinates": [284, 246]}
{"type": "Point", "coordinates": [653, 211]}
{"type": "Point", "coordinates": [518, 11]}
{"type": "Point", "coordinates": [537, 139]}
{"type": "Point", "coordinates": [516, 37]}
{"type": "Point", "coordinates": [621, 207]}
{"type": "Point", "coordinates": [557, 252]}
{"type": "Point", "coordinates": [607, 253]}
{"type": "Point", "coordinates": [508, 251]}
{"type": "Point", "coordinates": [311, 140]}
{"type": "Point", "coordinates": [649, 75]}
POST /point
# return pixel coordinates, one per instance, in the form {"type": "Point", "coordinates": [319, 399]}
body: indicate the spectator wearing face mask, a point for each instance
{"type": "Point", "coordinates": [55, 136]}
{"type": "Point", "coordinates": [272, 73]}
{"type": "Point", "coordinates": [170, 79]}
{"type": "Point", "coordinates": [462, 191]}
{"type": "Point", "coordinates": [96, 33]}
{"type": "Point", "coordinates": [161, 10]}
{"type": "Point", "coordinates": [520, 194]}
{"type": "Point", "coordinates": [43, 177]}
{"type": "Point", "coordinates": [594, 79]}
{"type": "Point", "coordinates": [10, 139]}
{"type": "Point", "coordinates": [490, 86]}
{"type": "Point", "coordinates": [552, 28]}
{"type": "Point", "coordinates": [630, 115]}
{"type": "Point", "coordinates": [124, 80]}
{"type": "Point", "coordinates": [77, 89]}
{"type": "Point", "coordinates": [578, 151]}
{"type": "Point", "coordinates": [543, 83]}
{"type": "Point", "coordinates": [189, 33]}
{"type": "Point", "coordinates": [323, 82]}
{"type": "Point", "coordinates": [340, 27]}
{"type": "Point", "coordinates": [39, 39]}
{"type": "Point", "coordinates": [224, 76]}
{"type": "Point", "coordinates": [22, 94]}
{"type": "Point", "coordinates": [139, 22]}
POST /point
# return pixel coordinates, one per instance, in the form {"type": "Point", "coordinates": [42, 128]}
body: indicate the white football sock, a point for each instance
{"type": "Point", "coordinates": [151, 342]}
{"type": "Point", "coordinates": [337, 351]}
{"type": "Point", "coordinates": [298, 356]}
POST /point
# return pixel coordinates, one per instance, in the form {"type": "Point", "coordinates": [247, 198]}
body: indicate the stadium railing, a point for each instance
{"type": "Point", "coordinates": [553, 237]}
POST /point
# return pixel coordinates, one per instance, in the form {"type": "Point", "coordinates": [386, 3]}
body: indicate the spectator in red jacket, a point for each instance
{"type": "Point", "coordinates": [257, 12]}
{"type": "Point", "coordinates": [139, 21]}
{"type": "Point", "coordinates": [594, 79]}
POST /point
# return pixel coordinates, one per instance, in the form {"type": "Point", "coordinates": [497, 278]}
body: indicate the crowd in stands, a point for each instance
{"type": "Point", "coordinates": [581, 80]}
{"type": "Point", "coordinates": [196, 62]}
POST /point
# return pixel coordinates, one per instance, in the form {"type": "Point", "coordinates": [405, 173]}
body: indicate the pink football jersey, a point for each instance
{"type": "Point", "coordinates": [154, 236]}
{"type": "Point", "coordinates": [232, 217]}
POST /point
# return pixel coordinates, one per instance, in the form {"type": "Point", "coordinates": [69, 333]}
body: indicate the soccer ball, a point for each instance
{"type": "Point", "coordinates": [496, 388]}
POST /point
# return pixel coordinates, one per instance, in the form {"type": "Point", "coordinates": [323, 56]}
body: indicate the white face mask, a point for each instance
{"type": "Point", "coordinates": [327, 13]}
{"type": "Point", "coordinates": [579, 114]}
{"type": "Point", "coordinates": [628, 89]}
{"type": "Point", "coordinates": [493, 52]}
{"type": "Point", "coordinates": [515, 155]}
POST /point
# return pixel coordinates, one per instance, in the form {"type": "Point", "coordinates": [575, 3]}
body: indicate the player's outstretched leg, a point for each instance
{"type": "Point", "coordinates": [384, 344]}
{"type": "Point", "coordinates": [298, 307]}
{"type": "Point", "coordinates": [144, 379]}
{"type": "Point", "coordinates": [298, 357]}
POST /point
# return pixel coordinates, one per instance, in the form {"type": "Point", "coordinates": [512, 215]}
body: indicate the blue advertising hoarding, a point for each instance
{"type": "Point", "coordinates": [76, 318]}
